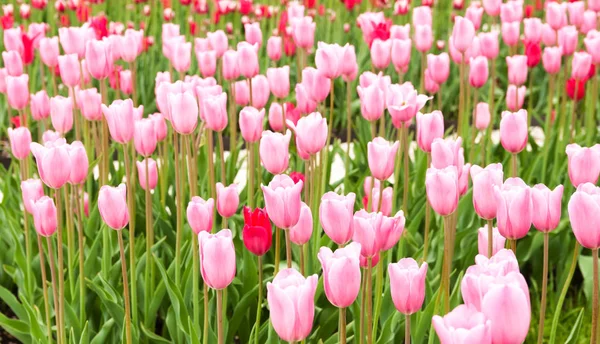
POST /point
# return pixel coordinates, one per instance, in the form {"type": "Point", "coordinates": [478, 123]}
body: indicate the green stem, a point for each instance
{"type": "Point", "coordinates": [149, 243]}
{"type": "Point", "coordinates": [490, 243]}
{"type": "Point", "coordinates": [447, 264]}
{"type": "Point", "coordinates": [222, 158]}
{"type": "Point", "coordinates": [125, 288]}
{"type": "Point", "coordinates": [81, 236]}
{"type": "Point", "coordinates": [129, 180]}
{"type": "Point", "coordinates": [54, 291]}
{"type": "Point", "coordinates": [378, 295]}
{"type": "Point", "coordinates": [544, 290]}
{"type": "Point", "coordinates": [548, 129]}
{"type": "Point", "coordinates": [277, 249]}
{"type": "Point", "coordinates": [288, 248]}
{"type": "Point", "coordinates": [45, 289]}
{"type": "Point", "coordinates": [407, 329]}
{"type": "Point", "coordinates": [179, 205]}
{"type": "Point", "coordinates": [29, 277]}
{"type": "Point", "coordinates": [342, 329]}
{"type": "Point", "coordinates": [514, 164]}
{"type": "Point", "coordinates": [369, 301]}
{"type": "Point", "coordinates": [563, 292]}
{"type": "Point", "coordinates": [363, 294]}
{"type": "Point", "coordinates": [60, 274]}
{"type": "Point", "coordinates": [595, 298]}
{"type": "Point", "coordinates": [70, 239]}
{"type": "Point", "coordinates": [460, 95]}
{"type": "Point", "coordinates": [260, 298]}
{"type": "Point", "coordinates": [348, 135]}
{"type": "Point", "coordinates": [427, 218]}
{"type": "Point", "coordinates": [205, 328]}
{"type": "Point", "coordinates": [406, 171]}
{"type": "Point", "coordinates": [396, 189]}
{"type": "Point", "coordinates": [221, 340]}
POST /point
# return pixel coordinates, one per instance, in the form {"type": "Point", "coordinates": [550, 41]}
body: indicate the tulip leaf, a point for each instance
{"type": "Point", "coordinates": [101, 336]}
{"type": "Point", "coordinates": [576, 328]}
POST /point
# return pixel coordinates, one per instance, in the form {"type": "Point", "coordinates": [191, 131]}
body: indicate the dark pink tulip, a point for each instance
{"type": "Point", "coordinates": [484, 180]}
{"type": "Point", "coordinates": [594, 5]}
{"type": "Point", "coordinates": [580, 65]}
{"type": "Point", "coordinates": [567, 40]}
{"type": "Point", "coordinates": [514, 131]}
{"type": "Point", "coordinates": [217, 258]}
{"type": "Point", "coordinates": [423, 38]}
{"type": "Point", "coordinates": [546, 207]}
{"type": "Point", "coordinates": [403, 102]}
{"type": "Point", "coordinates": [442, 189]}
{"type": "Point", "coordinates": [291, 300]}
{"type": "Point", "coordinates": [341, 274]}
{"type": "Point", "coordinates": [279, 81]}
{"type": "Point", "coordinates": [218, 42]}
{"type": "Point", "coordinates": [517, 69]}
{"type": "Point", "coordinates": [439, 66]}
{"type": "Point", "coordinates": [228, 199]}
{"type": "Point", "coordinates": [274, 48]}
{"type": "Point", "coordinates": [274, 151]}
{"type": "Point", "coordinates": [366, 227]}
{"type": "Point", "coordinates": [98, 55]}
{"type": "Point", "coordinates": [79, 163]}
{"type": "Point", "coordinates": [144, 137]}
{"type": "Point", "coordinates": [230, 65]}
{"type": "Point", "coordinates": [463, 33]}
{"type": "Point", "coordinates": [45, 218]}
{"type": "Point", "coordinates": [381, 53]}
{"type": "Point", "coordinates": [407, 285]}
{"type": "Point", "coordinates": [429, 127]}
{"type": "Point", "coordinates": [478, 71]}
{"type": "Point", "coordinates": [31, 191]}
{"type": "Point", "coordinates": [551, 59]}
{"type": "Point", "coordinates": [61, 113]}
{"type": "Point", "coordinates": [482, 116]}
{"type": "Point", "coordinates": [515, 97]}
{"type": "Point", "coordinates": [214, 112]}
{"type": "Point", "coordinates": [336, 216]}
{"type": "Point", "coordinates": [276, 116]}
{"type": "Point", "coordinates": [303, 32]}
{"type": "Point", "coordinates": [584, 164]}
{"type": "Point", "coordinates": [247, 58]}
{"type": "Point", "coordinates": [251, 123]}
{"type": "Point", "coordinates": [20, 140]}
{"type": "Point", "coordinates": [382, 157]}
{"type": "Point", "coordinates": [12, 62]}
{"type": "Point", "coordinates": [119, 116]}
{"type": "Point", "coordinates": [300, 233]}
{"type": "Point", "coordinates": [283, 200]}
{"type": "Point", "coordinates": [372, 102]}
{"type": "Point", "coordinates": [17, 90]}
{"type": "Point", "coordinates": [112, 204]}
{"type": "Point", "coordinates": [401, 49]}
{"type": "Point", "coordinates": [489, 40]}
{"type": "Point", "coordinates": [498, 241]}
{"type": "Point", "coordinates": [200, 214]}
{"type": "Point", "coordinates": [463, 325]}
{"type": "Point", "coordinates": [514, 208]}
{"type": "Point", "coordinates": [583, 209]}
{"type": "Point", "coordinates": [152, 173]}
{"type": "Point", "coordinates": [207, 62]}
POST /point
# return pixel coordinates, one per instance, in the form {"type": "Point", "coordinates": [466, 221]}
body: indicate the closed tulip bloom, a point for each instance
{"type": "Point", "coordinates": [556, 15]}
{"type": "Point", "coordinates": [45, 218]}
{"type": "Point", "coordinates": [328, 59]}
{"type": "Point", "coordinates": [336, 216]}
{"type": "Point", "coordinates": [20, 141]}
{"type": "Point", "coordinates": [462, 33]}
{"type": "Point", "coordinates": [463, 325]}
{"type": "Point", "coordinates": [311, 133]}
{"type": "Point", "coordinates": [431, 86]}
{"type": "Point", "coordinates": [260, 91]}
{"type": "Point", "coordinates": [200, 214]}
{"type": "Point", "coordinates": [207, 62]}
{"type": "Point", "coordinates": [447, 152]}
{"type": "Point", "coordinates": [514, 208]}
{"type": "Point", "coordinates": [218, 41]}
{"type": "Point", "coordinates": [422, 16]}
{"type": "Point", "coordinates": [303, 32]}
{"type": "Point", "coordinates": [423, 38]}
{"type": "Point", "coordinates": [291, 302]}
{"type": "Point", "coordinates": [463, 179]}
{"type": "Point", "coordinates": [49, 51]}
{"type": "Point", "coordinates": [549, 36]}
{"type": "Point", "coordinates": [144, 137]}
{"type": "Point", "coordinates": [17, 90]}
{"type": "Point", "coordinates": [583, 207]}
{"type": "Point", "coordinates": [98, 55]}
{"type": "Point", "coordinates": [247, 59]}
{"type": "Point", "coordinates": [214, 112]}
{"type": "Point", "coordinates": [228, 199]}
{"type": "Point", "coordinates": [514, 131]}
{"type": "Point", "coordinates": [251, 123]}
{"type": "Point", "coordinates": [69, 69]}
{"type": "Point", "coordinates": [275, 117]}
{"type": "Point", "coordinates": [515, 97]}
{"type": "Point", "coordinates": [551, 59]}
{"type": "Point", "coordinates": [169, 47]}
{"type": "Point", "coordinates": [217, 258]}
{"type": "Point", "coordinates": [478, 71]}
{"type": "Point", "coordinates": [131, 44]}
{"type": "Point", "coordinates": [40, 105]}
{"type": "Point", "coordinates": [517, 69]}
{"type": "Point", "coordinates": [283, 200]}
{"type": "Point", "coordinates": [112, 203]}
{"type": "Point", "coordinates": [429, 127]}
{"type": "Point", "coordinates": [390, 231]}
{"type": "Point", "coordinates": [567, 40]}
{"type": "Point", "coordinates": [253, 33]}
{"type": "Point", "coordinates": [341, 274]}
{"type": "Point", "coordinates": [592, 45]}
{"type": "Point", "coordinates": [498, 241]}
{"type": "Point", "coordinates": [589, 22]}
{"type": "Point", "coordinates": [79, 163]}
{"type": "Point", "coordinates": [546, 207]}
{"type": "Point", "coordinates": [181, 58]}
{"type": "Point", "coordinates": [279, 81]}
{"type": "Point", "coordinates": [316, 83]}
{"type": "Point", "coordinates": [12, 62]}
{"type": "Point", "coordinates": [484, 181]}
{"type": "Point", "coordinates": [584, 164]}
{"type": "Point", "coordinates": [474, 14]}
{"type": "Point", "coordinates": [73, 39]}
{"type": "Point", "coordinates": [31, 191]}
{"type": "Point", "coordinates": [442, 189]}
{"type": "Point", "coordinates": [400, 31]}
{"type": "Point", "coordinates": [407, 285]}
{"type": "Point", "coordinates": [349, 67]}
{"type": "Point", "coordinates": [242, 93]}
{"type": "Point", "coordinates": [576, 10]}
{"type": "Point", "coordinates": [301, 232]}
{"type": "Point", "coordinates": [257, 233]}
{"type": "Point", "coordinates": [230, 65]}
{"type": "Point", "coordinates": [382, 157]}
{"type": "Point", "coordinates": [119, 116]}
{"type": "Point", "coordinates": [580, 65]}
{"type": "Point", "coordinates": [533, 30]}
{"type": "Point", "coordinates": [482, 116]}
{"type": "Point", "coordinates": [510, 33]}
{"type": "Point", "coordinates": [506, 305]}
{"type": "Point", "coordinates": [401, 49]}
{"type": "Point", "coordinates": [274, 151]}
{"type": "Point", "coordinates": [594, 5]}
{"type": "Point", "coordinates": [403, 102]}
{"type": "Point", "coordinates": [274, 48]}
{"type": "Point", "coordinates": [381, 53]}
{"type": "Point", "coordinates": [61, 113]}
{"type": "Point", "coordinates": [152, 173]}
{"type": "Point", "coordinates": [366, 227]}
{"type": "Point", "coordinates": [372, 102]}
{"type": "Point", "coordinates": [183, 108]}
{"type": "Point", "coordinates": [439, 67]}
{"type": "Point", "coordinates": [489, 40]}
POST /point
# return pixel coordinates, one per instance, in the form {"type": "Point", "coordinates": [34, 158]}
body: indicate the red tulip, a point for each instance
{"type": "Point", "coordinates": [257, 233]}
{"type": "Point", "coordinates": [534, 54]}
{"type": "Point", "coordinates": [573, 84]}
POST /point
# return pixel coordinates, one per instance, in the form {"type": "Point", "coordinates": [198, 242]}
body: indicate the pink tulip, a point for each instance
{"type": "Point", "coordinates": [303, 32]}
{"type": "Point", "coordinates": [144, 137]}
{"type": "Point", "coordinates": [489, 40]}
{"type": "Point", "coordinates": [247, 59]}
{"type": "Point", "coordinates": [549, 36]}
{"type": "Point", "coordinates": [45, 218]}
{"type": "Point", "coordinates": [442, 189]}
{"type": "Point", "coordinates": [131, 44]}
{"type": "Point", "coordinates": [49, 51]}
{"type": "Point", "coordinates": [515, 96]}
{"type": "Point", "coordinates": [447, 152]}
{"type": "Point", "coordinates": [119, 116]}
{"type": "Point", "coordinates": [391, 230]}
{"type": "Point", "coordinates": [382, 157]}
{"type": "Point", "coordinates": [462, 33]}
{"type": "Point", "coordinates": [583, 207]}
{"type": "Point", "coordinates": [214, 112]}
{"type": "Point", "coordinates": [589, 22]}
{"type": "Point", "coordinates": [478, 71]}
{"type": "Point", "coordinates": [594, 5]}
{"type": "Point", "coordinates": [253, 33]}
{"type": "Point", "coordinates": [463, 179]}
{"type": "Point", "coordinates": [230, 65]}
{"type": "Point", "coordinates": [251, 123]}
{"type": "Point", "coordinates": [31, 191]}
{"type": "Point", "coordinates": [431, 86]}
{"type": "Point", "coordinates": [74, 39]}
{"type": "Point", "coordinates": [439, 66]}
{"type": "Point", "coordinates": [401, 49]}
{"type": "Point", "coordinates": [311, 133]}
{"type": "Point", "coordinates": [228, 199]}
{"type": "Point", "coordinates": [400, 31]}
{"type": "Point", "coordinates": [407, 281]}
{"type": "Point", "coordinates": [40, 105]}
{"type": "Point", "coordinates": [429, 127]}
{"type": "Point", "coordinates": [366, 227]}
{"type": "Point", "coordinates": [61, 114]}
{"type": "Point", "coordinates": [511, 11]}
{"type": "Point", "coordinates": [517, 69]}
{"type": "Point", "coordinates": [79, 163]}
{"type": "Point", "coordinates": [498, 241]}
{"type": "Point", "coordinates": [242, 93]}
{"type": "Point", "coordinates": [275, 117]}
{"type": "Point", "coordinates": [282, 200]}
{"type": "Point", "coordinates": [260, 91]}
{"type": "Point", "coordinates": [328, 59]}
{"type": "Point", "coordinates": [218, 41]}
{"type": "Point", "coordinates": [551, 59]}
{"type": "Point", "coordinates": [89, 103]}
{"type": "Point", "coordinates": [584, 164]}
{"type": "Point", "coordinates": [580, 65]}
{"type": "Point", "coordinates": [274, 151]}
{"type": "Point", "coordinates": [372, 102]}
{"type": "Point", "coordinates": [349, 67]}
{"type": "Point", "coordinates": [17, 90]}
{"type": "Point", "coordinates": [506, 305]}
{"type": "Point", "coordinates": [576, 10]}
{"type": "Point", "coordinates": [567, 40]}
{"type": "Point", "coordinates": [463, 325]}
{"type": "Point", "coordinates": [482, 116]}
{"type": "Point", "coordinates": [514, 208]}
{"type": "Point", "coordinates": [274, 48]}
{"type": "Point", "coordinates": [514, 131]}
{"type": "Point", "coordinates": [474, 14]}
{"type": "Point", "coordinates": [381, 53]}
{"type": "Point", "coordinates": [20, 140]}
{"type": "Point", "coordinates": [207, 62]}
{"type": "Point", "coordinates": [336, 216]}
{"type": "Point", "coordinates": [160, 125]}
{"type": "Point", "coordinates": [546, 207]}
{"type": "Point", "coordinates": [291, 301]}
{"type": "Point", "coordinates": [341, 274]}
{"type": "Point", "coordinates": [556, 15]}
{"type": "Point", "coordinates": [183, 108]}
{"type": "Point", "coordinates": [300, 233]}
{"type": "Point", "coordinates": [422, 16]}
{"type": "Point", "coordinates": [386, 203]}
{"type": "Point", "coordinates": [200, 214]}
{"type": "Point", "coordinates": [403, 102]}
{"type": "Point", "coordinates": [533, 30]}
{"type": "Point", "coordinates": [592, 45]}
{"type": "Point", "coordinates": [217, 258]}
{"type": "Point", "coordinates": [98, 55]}
{"type": "Point", "coordinates": [423, 38]}
{"type": "Point", "coordinates": [125, 82]}
{"type": "Point", "coordinates": [317, 85]}
{"type": "Point", "coordinates": [181, 58]}
{"type": "Point", "coordinates": [12, 62]}
{"type": "Point", "coordinates": [484, 181]}
{"type": "Point", "coordinates": [112, 203]}
{"type": "Point", "coordinates": [279, 81]}
{"type": "Point", "coordinates": [69, 69]}
{"type": "Point", "coordinates": [152, 173]}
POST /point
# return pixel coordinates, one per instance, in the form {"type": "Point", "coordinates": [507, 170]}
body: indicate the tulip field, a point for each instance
{"type": "Point", "coordinates": [354, 171]}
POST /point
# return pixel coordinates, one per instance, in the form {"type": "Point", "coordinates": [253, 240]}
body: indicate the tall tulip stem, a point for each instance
{"type": "Point", "coordinates": [514, 163]}
{"type": "Point", "coordinates": [363, 294]}
{"type": "Point", "coordinates": [447, 267]}
{"type": "Point", "coordinates": [250, 174]}
{"type": "Point", "coordinates": [260, 298]}
{"type": "Point", "coordinates": [130, 204]}
{"type": "Point", "coordinates": [406, 171]}
{"type": "Point", "coordinates": [221, 340]}
{"type": "Point", "coordinates": [79, 209]}
{"type": "Point", "coordinates": [342, 326]}
{"type": "Point", "coordinates": [369, 300]}
{"type": "Point", "coordinates": [277, 249]}
{"type": "Point", "coordinates": [45, 289]}
{"type": "Point", "coordinates": [125, 288]}
{"type": "Point", "coordinates": [378, 295]}
{"type": "Point", "coordinates": [427, 218]}
{"type": "Point", "coordinates": [60, 272]}
{"type": "Point", "coordinates": [407, 329]}
{"type": "Point", "coordinates": [490, 243]}
{"type": "Point", "coordinates": [205, 320]}
{"type": "Point", "coordinates": [348, 134]}
{"type": "Point", "coordinates": [222, 158]}
{"type": "Point", "coordinates": [59, 327]}
{"type": "Point", "coordinates": [288, 248]}
{"type": "Point", "coordinates": [461, 67]}
{"type": "Point", "coordinates": [179, 205]}
{"type": "Point", "coordinates": [564, 291]}
{"type": "Point", "coordinates": [149, 243]}
{"type": "Point", "coordinates": [544, 290]}
{"type": "Point", "coordinates": [595, 298]}
{"type": "Point", "coordinates": [70, 238]}
{"type": "Point", "coordinates": [24, 173]}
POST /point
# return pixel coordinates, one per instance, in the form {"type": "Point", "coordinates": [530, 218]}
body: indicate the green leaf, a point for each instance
{"type": "Point", "coordinates": [101, 336]}
{"type": "Point", "coordinates": [574, 335]}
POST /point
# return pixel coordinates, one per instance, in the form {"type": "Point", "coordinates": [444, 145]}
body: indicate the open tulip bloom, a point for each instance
{"type": "Point", "coordinates": [270, 146]}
